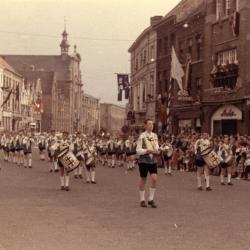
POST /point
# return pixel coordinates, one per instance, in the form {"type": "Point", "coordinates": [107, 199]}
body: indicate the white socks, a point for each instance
{"type": "Point", "coordinates": [229, 177]}
{"type": "Point", "coordinates": [221, 178]}
{"type": "Point", "coordinates": [207, 180]}
{"type": "Point", "coordinates": [30, 162]}
{"type": "Point", "coordinates": [142, 195]}
{"type": "Point", "coordinates": [80, 170]}
{"type": "Point", "coordinates": [55, 165]}
{"type": "Point", "coordinates": [199, 181]}
{"type": "Point", "coordinates": [62, 180]}
{"type": "Point", "coordinates": [151, 193]}
{"type": "Point", "coordinates": [166, 169]}
{"type": "Point", "coordinates": [88, 175]}
{"type": "Point", "coordinates": [66, 180]}
{"type": "Point", "coordinates": [92, 175]}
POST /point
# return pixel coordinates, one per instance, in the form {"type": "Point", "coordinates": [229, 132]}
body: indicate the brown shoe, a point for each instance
{"type": "Point", "coordinates": [152, 204]}
{"type": "Point", "coordinates": [143, 204]}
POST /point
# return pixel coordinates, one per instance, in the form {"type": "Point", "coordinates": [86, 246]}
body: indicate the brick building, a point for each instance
{"type": "Point", "coordinates": [211, 39]}
{"type": "Point", "coordinates": [61, 84]}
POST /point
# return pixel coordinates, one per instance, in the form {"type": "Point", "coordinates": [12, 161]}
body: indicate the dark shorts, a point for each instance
{"type": "Point", "coordinates": [144, 168]}
{"type": "Point", "coordinates": [247, 169]}
{"type": "Point", "coordinates": [200, 163]}
{"type": "Point", "coordinates": [167, 158]}
{"type": "Point", "coordinates": [224, 165]}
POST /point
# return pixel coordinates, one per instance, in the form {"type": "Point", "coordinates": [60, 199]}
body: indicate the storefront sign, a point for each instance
{"type": "Point", "coordinates": [228, 112]}
{"type": "Point", "coordinates": [185, 98]}
{"type": "Point", "coordinates": [185, 123]}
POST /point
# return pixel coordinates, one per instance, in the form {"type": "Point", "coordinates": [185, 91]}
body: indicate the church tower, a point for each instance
{"type": "Point", "coordinates": [64, 43]}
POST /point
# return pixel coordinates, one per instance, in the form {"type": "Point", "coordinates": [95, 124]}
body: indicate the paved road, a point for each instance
{"type": "Point", "coordinates": [35, 214]}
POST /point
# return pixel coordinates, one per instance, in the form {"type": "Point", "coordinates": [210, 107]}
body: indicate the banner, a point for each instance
{"type": "Point", "coordinates": [123, 85]}
{"type": "Point", "coordinates": [123, 81]}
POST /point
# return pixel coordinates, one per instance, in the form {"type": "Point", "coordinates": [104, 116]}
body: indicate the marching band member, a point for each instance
{"type": "Point", "coordinates": [225, 152]}
{"type": "Point", "coordinates": [203, 142]}
{"type": "Point", "coordinates": [52, 147]}
{"type": "Point", "coordinates": [27, 150]}
{"type": "Point", "coordinates": [79, 153]}
{"type": "Point", "coordinates": [90, 162]}
{"type": "Point", "coordinates": [111, 153]}
{"type": "Point", "coordinates": [130, 149]}
{"type": "Point", "coordinates": [247, 166]}
{"type": "Point", "coordinates": [64, 176]}
{"type": "Point", "coordinates": [167, 151]}
{"type": "Point", "coordinates": [13, 157]}
{"type": "Point", "coordinates": [42, 147]}
{"type": "Point", "coordinates": [120, 149]}
{"type": "Point", "coordinates": [147, 149]}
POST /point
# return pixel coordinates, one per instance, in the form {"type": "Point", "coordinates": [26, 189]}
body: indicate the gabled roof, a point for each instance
{"type": "Point", "coordinates": [5, 65]}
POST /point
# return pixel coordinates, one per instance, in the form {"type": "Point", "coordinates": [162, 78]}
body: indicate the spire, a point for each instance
{"type": "Point", "coordinates": [64, 43]}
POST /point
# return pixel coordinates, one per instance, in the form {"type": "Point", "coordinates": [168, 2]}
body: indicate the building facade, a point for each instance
{"type": "Point", "coordinates": [90, 114]}
{"type": "Point", "coordinates": [62, 88]}
{"type": "Point", "coordinates": [112, 118]}
{"type": "Point", "coordinates": [142, 101]}
{"type": "Point", "coordinates": [11, 85]}
{"type": "Point", "coordinates": [211, 40]}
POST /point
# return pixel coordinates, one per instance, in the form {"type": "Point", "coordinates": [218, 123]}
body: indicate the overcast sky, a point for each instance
{"type": "Point", "coordinates": [87, 20]}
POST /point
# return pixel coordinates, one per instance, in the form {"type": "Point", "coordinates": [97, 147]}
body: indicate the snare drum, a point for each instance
{"type": "Point", "coordinates": [90, 161]}
{"type": "Point", "coordinates": [68, 160]}
{"type": "Point", "coordinates": [212, 159]}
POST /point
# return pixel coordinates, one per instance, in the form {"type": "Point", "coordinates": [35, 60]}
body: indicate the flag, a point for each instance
{"type": "Point", "coordinates": [123, 81]}
{"type": "Point", "coordinates": [6, 99]}
{"type": "Point", "coordinates": [177, 72]}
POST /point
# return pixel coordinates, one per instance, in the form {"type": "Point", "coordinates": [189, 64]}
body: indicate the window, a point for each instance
{"type": "Point", "coordinates": [165, 45]}
{"type": "Point", "coordinates": [152, 53]}
{"type": "Point", "coordinates": [160, 46]}
{"type": "Point", "coordinates": [144, 57]}
{"type": "Point", "coordinates": [225, 73]}
{"type": "Point", "coordinates": [229, 56]}
{"type": "Point", "coordinates": [228, 7]}
{"type": "Point", "coordinates": [219, 8]}
{"type": "Point", "coordinates": [198, 46]}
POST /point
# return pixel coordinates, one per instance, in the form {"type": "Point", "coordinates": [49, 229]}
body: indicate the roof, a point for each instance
{"type": "Point", "coordinates": [7, 66]}
{"type": "Point", "coordinates": [138, 39]}
{"type": "Point", "coordinates": [184, 9]}
{"type": "Point", "coordinates": [49, 63]}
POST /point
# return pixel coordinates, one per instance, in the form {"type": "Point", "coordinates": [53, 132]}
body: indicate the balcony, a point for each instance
{"type": "Point", "coordinates": [224, 77]}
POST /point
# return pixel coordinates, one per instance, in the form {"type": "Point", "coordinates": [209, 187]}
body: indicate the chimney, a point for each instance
{"type": "Point", "coordinates": [154, 20]}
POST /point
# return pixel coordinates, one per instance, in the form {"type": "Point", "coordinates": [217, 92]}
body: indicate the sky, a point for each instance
{"type": "Point", "coordinates": [103, 30]}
